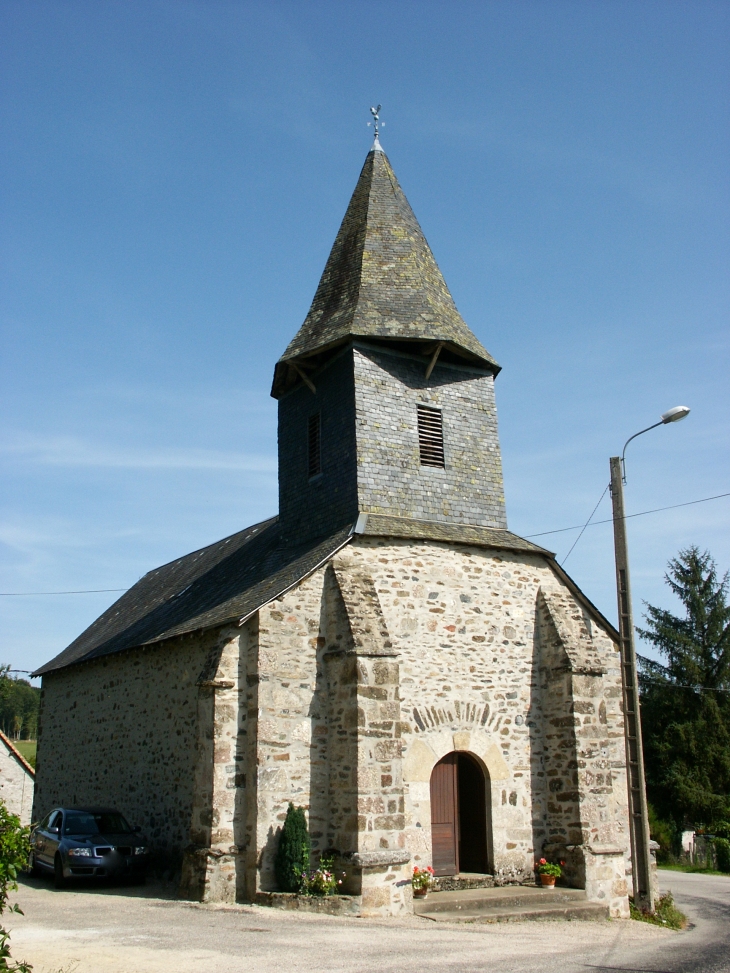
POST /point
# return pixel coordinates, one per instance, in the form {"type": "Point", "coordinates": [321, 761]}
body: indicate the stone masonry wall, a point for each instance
{"type": "Point", "coordinates": [464, 622]}
{"type": "Point", "coordinates": [469, 490]}
{"type": "Point", "coordinates": [16, 784]}
{"type": "Point", "coordinates": [121, 731]}
{"type": "Point", "coordinates": [467, 675]}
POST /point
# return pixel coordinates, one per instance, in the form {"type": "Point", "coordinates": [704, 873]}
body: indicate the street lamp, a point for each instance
{"type": "Point", "coordinates": [638, 811]}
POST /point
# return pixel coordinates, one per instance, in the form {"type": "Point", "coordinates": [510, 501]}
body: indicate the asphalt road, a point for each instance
{"type": "Point", "coordinates": [128, 930]}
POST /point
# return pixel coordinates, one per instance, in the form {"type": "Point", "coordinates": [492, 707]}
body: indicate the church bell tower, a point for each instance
{"type": "Point", "coordinates": [386, 398]}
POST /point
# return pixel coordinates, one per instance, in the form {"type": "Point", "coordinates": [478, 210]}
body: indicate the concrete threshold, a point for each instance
{"type": "Point", "coordinates": [509, 903]}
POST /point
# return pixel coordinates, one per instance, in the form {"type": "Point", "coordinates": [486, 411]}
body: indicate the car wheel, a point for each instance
{"type": "Point", "coordinates": [58, 876]}
{"type": "Point", "coordinates": [33, 869]}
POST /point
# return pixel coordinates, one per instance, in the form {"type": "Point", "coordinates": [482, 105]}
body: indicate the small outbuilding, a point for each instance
{"type": "Point", "coordinates": [17, 780]}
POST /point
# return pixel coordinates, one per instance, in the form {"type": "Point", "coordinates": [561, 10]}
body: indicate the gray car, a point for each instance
{"type": "Point", "coordinates": [87, 842]}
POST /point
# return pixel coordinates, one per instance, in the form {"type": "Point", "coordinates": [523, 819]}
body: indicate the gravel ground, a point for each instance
{"type": "Point", "coordinates": [131, 930]}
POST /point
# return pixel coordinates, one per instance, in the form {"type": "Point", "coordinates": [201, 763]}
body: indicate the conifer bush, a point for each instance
{"type": "Point", "coordinates": [292, 856]}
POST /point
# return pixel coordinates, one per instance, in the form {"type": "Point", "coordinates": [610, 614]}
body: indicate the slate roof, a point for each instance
{"type": "Point", "coordinates": [228, 581]}
{"type": "Point", "coordinates": [383, 525]}
{"type": "Point", "coordinates": [380, 281]}
{"type": "Point", "coordinates": [224, 582]}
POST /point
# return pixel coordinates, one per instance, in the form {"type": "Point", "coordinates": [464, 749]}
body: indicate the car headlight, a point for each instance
{"type": "Point", "coordinates": [79, 853]}
{"type": "Point", "coordinates": [141, 850]}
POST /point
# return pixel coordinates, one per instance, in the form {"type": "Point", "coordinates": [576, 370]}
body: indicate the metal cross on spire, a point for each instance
{"type": "Point", "coordinates": [375, 112]}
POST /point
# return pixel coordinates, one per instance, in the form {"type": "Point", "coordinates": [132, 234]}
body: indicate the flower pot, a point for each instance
{"type": "Point", "coordinates": [548, 881]}
{"type": "Point", "coordinates": [420, 893]}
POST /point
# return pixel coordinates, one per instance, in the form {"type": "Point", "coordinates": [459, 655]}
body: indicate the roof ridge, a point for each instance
{"type": "Point", "coordinates": [16, 753]}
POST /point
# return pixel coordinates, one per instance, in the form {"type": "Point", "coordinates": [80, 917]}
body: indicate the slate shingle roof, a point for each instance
{"type": "Point", "coordinates": [228, 581]}
{"type": "Point", "coordinates": [380, 281]}
{"type": "Point", "coordinates": [382, 525]}
{"type": "Point", "coordinates": [224, 582]}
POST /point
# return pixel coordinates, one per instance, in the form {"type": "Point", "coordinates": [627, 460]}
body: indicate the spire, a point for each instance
{"type": "Point", "coordinates": [381, 283]}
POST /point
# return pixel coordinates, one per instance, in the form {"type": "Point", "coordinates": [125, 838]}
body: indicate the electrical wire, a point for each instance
{"type": "Point", "coordinates": [586, 524]}
{"type": "Point", "coordinates": [642, 513]}
{"type": "Point", "coordinates": [560, 530]}
{"type": "Point", "coordinates": [86, 591]}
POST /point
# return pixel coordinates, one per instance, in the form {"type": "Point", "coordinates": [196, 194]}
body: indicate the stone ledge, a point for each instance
{"type": "Point", "coordinates": [378, 859]}
{"type": "Point", "coordinates": [331, 905]}
{"type": "Point", "coordinates": [605, 849]}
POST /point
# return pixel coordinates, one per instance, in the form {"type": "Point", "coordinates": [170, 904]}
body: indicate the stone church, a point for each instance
{"type": "Point", "coordinates": [430, 687]}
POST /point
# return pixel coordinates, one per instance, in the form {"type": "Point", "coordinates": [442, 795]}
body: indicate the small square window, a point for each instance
{"type": "Point", "coordinates": [431, 436]}
{"type": "Point", "coordinates": [314, 445]}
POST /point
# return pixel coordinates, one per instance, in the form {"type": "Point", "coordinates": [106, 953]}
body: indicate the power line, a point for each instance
{"type": "Point", "coordinates": [586, 524]}
{"type": "Point", "coordinates": [87, 591]}
{"type": "Point", "coordinates": [560, 530]}
{"type": "Point", "coordinates": [642, 513]}
{"type": "Point", "coordinates": [679, 685]}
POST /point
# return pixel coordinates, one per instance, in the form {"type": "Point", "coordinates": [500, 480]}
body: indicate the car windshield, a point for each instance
{"type": "Point", "coordinates": [90, 822]}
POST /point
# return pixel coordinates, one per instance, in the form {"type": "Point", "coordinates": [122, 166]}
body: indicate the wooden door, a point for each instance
{"type": "Point", "coordinates": [445, 816]}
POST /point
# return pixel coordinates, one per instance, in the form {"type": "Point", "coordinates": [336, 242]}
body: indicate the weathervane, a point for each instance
{"type": "Point", "coordinates": [375, 112]}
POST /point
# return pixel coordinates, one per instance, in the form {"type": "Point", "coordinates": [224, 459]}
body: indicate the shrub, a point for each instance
{"type": "Point", "coordinates": [665, 913]}
{"type": "Point", "coordinates": [292, 856]}
{"type": "Point", "coordinates": [722, 850]}
{"type": "Point", "coordinates": [322, 881]}
{"type": "Point", "coordinates": [14, 850]}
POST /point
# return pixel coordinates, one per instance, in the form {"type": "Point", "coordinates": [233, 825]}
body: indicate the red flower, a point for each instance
{"type": "Point", "coordinates": [543, 861]}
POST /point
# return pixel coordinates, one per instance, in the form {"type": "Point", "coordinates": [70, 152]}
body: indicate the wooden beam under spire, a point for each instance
{"type": "Point", "coordinates": [434, 358]}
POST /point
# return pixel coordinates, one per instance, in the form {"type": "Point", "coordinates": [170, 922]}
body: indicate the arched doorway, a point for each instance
{"type": "Point", "coordinates": [459, 822]}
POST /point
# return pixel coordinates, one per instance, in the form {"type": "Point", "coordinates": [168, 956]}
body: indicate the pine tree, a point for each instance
{"type": "Point", "coordinates": [292, 856]}
{"type": "Point", "coordinates": [685, 700]}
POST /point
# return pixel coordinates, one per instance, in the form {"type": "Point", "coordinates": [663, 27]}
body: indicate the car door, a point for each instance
{"type": "Point", "coordinates": [50, 837]}
{"type": "Point", "coordinates": [38, 837]}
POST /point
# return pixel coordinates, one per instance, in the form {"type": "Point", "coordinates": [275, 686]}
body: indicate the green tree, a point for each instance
{"type": "Point", "coordinates": [14, 849]}
{"type": "Point", "coordinates": [685, 699]}
{"type": "Point", "coordinates": [292, 856]}
{"type": "Point", "coordinates": [19, 704]}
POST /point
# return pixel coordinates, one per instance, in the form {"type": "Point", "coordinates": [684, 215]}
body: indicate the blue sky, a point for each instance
{"type": "Point", "coordinates": [174, 174]}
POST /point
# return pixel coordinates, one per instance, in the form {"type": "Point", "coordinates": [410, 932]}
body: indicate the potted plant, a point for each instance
{"type": "Point", "coordinates": [421, 881]}
{"type": "Point", "coordinates": [548, 872]}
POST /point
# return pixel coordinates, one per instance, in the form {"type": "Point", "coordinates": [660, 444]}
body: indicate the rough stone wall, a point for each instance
{"type": "Point", "coordinates": [469, 489]}
{"type": "Point", "coordinates": [581, 729]}
{"type": "Point", "coordinates": [121, 731]}
{"type": "Point", "coordinates": [214, 866]}
{"type": "Point", "coordinates": [470, 647]}
{"type": "Point", "coordinates": [290, 715]}
{"type": "Point", "coordinates": [16, 784]}
{"type": "Point", "coordinates": [341, 696]}
{"type": "Point", "coordinates": [352, 731]}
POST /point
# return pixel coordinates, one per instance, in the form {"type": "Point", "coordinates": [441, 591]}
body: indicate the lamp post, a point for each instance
{"type": "Point", "coordinates": [638, 811]}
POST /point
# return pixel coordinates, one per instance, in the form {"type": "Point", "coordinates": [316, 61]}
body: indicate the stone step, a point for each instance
{"type": "Point", "coordinates": [517, 902]}
{"type": "Point", "coordinates": [464, 880]}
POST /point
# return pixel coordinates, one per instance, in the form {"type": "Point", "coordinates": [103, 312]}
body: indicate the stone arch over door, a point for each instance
{"type": "Point", "coordinates": [460, 815]}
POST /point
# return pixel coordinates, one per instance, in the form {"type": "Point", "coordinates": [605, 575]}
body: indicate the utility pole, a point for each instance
{"type": "Point", "coordinates": [638, 810]}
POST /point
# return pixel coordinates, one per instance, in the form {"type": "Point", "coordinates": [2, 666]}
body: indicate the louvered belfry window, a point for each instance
{"type": "Point", "coordinates": [430, 436]}
{"type": "Point", "coordinates": [314, 444]}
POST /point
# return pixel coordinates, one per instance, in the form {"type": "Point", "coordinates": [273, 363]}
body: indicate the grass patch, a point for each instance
{"type": "Point", "coordinates": [28, 749]}
{"type": "Point", "coordinates": [665, 913]}
{"type": "Point", "coordinates": [700, 869]}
